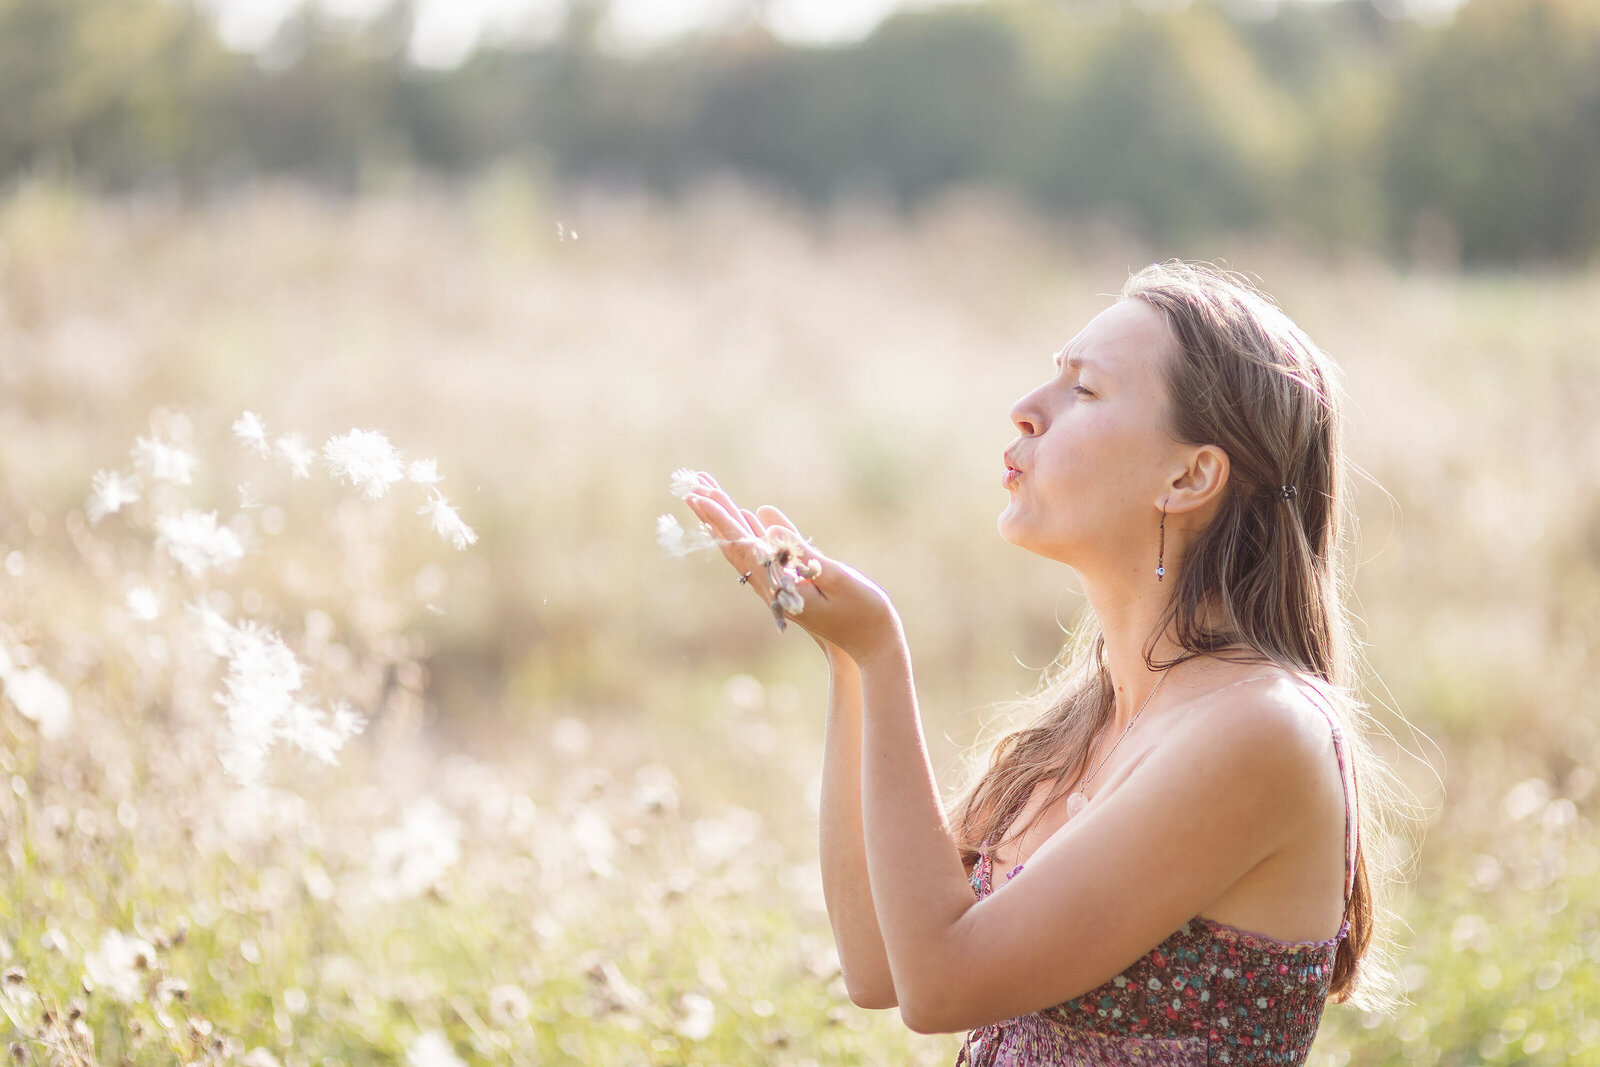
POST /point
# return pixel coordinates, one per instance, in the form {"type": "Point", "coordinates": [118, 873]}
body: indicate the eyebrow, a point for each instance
{"type": "Point", "coordinates": [1075, 361]}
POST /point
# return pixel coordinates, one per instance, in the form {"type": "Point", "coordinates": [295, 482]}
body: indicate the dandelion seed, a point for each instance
{"type": "Point", "coordinates": [110, 492]}
{"type": "Point", "coordinates": [292, 449]}
{"type": "Point", "coordinates": [676, 541]}
{"type": "Point", "coordinates": [432, 1049]}
{"type": "Point", "coordinates": [38, 696]}
{"type": "Point", "coordinates": [318, 734]}
{"type": "Point", "coordinates": [143, 603]}
{"type": "Point", "coordinates": [446, 522]}
{"type": "Point", "coordinates": [119, 965]}
{"type": "Point", "coordinates": [365, 459]}
{"type": "Point", "coordinates": [685, 481]}
{"type": "Point", "coordinates": [259, 696]}
{"type": "Point", "coordinates": [251, 433]}
{"type": "Point", "coordinates": [423, 472]}
{"type": "Point", "coordinates": [697, 1017]}
{"type": "Point", "coordinates": [195, 541]}
{"type": "Point", "coordinates": [164, 462]}
{"type": "Point", "coordinates": [410, 859]}
{"type": "Point", "coordinates": [248, 497]}
{"type": "Point", "coordinates": [216, 633]}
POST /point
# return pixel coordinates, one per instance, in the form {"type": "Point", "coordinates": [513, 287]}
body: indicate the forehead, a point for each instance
{"type": "Point", "coordinates": [1125, 340]}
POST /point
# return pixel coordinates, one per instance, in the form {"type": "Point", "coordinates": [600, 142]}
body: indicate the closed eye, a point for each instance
{"type": "Point", "coordinates": [1081, 389]}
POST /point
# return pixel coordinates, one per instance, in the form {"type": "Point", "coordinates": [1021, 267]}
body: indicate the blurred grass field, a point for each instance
{"type": "Point", "coordinates": [581, 824]}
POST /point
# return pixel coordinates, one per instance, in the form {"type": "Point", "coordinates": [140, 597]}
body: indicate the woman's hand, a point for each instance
{"type": "Point", "coordinates": [843, 610]}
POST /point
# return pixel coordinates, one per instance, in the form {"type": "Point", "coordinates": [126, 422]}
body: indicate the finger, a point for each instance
{"type": "Point", "coordinates": [771, 516]}
{"type": "Point", "coordinates": [742, 548]}
{"type": "Point", "coordinates": [720, 495]}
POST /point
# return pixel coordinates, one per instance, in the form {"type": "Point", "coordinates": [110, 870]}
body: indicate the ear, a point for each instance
{"type": "Point", "coordinates": [1199, 482]}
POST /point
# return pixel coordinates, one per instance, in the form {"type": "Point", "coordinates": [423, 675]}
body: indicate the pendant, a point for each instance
{"type": "Point", "coordinates": [1076, 803]}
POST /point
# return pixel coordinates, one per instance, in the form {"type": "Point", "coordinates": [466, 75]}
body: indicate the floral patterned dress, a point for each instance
{"type": "Point", "coordinates": [1209, 994]}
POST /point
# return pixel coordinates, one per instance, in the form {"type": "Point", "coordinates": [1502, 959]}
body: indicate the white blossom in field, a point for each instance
{"type": "Point", "coordinates": [260, 697]}
{"type": "Point", "coordinates": [365, 459]}
{"type": "Point", "coordinates": [119, 965]}
{"type": "Point", "coordinates": [292, 449]}
{"type": "Point", "coordinates": [508, 1004]}
{"type": "Point", "coordinates": [446, 521]}
{"type": "Point", "coordinates": [685, 481]}
{"type": "Point", "coordinates": [593, 840]}
{"type": "Point", "coordinates": [719, 838]}
{"type": "Point", "coordinates": [251, 433]}
{"type": "Point", "coordinates": [655, 789]}
{"type": "Point", "coordinates": [195, 541]}
{"type": "Point", "coordinates": [110, 492]}
{"type": "Point", "coordinates": [260, 1057]}
{"type": "Point", "coordinates": [432, 1049]}
{"type": "Point", "coordinates": [676, 541]}
{"type": "Point", "coordinates": [423, 472]}
{"type": "Point", "coordinates": [409, 859]}
{"type": "Point", "coordinates": [36, 695]}
{"type": "Point", "coordinates": [143, 603]}
{"type": "Point", "coordinates": [164, 462]}
{"type": "Point", "coordinates": [697, 1017]}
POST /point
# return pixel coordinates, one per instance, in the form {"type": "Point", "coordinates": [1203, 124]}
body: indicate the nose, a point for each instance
{"type": "Point", "coordinates": [1025, 416]}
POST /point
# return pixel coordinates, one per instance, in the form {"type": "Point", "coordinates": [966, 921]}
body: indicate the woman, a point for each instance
{"type": "Point", "coordinates": [1185, 804]}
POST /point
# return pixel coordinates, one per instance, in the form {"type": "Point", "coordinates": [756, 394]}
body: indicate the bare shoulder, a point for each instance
{"type": "Point", "coordinates": [1273, 726]}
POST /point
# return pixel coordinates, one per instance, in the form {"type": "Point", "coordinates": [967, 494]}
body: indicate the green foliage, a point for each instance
{"type": "Point", "coordinates": [1333, 122]}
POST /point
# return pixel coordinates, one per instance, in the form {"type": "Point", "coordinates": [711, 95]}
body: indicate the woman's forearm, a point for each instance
{"type": "Point", "coordinates": [918, 880]}
{"type": "Point", "coordinates": [844, 855]}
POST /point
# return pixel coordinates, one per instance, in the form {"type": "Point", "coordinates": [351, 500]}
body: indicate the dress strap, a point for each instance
{"type": "Point", "coordinates": [1346, 783]}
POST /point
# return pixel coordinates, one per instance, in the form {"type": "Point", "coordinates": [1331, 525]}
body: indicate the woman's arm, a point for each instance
{"type": "Point", "coordinates": [844, 853]}
{"type": "Point", "coordinates": [915, 865]}
{"type": "Point", "coordinates": [1215, 800]}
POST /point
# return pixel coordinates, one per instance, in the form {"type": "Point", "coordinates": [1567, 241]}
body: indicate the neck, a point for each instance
{"type": "Point", "coordinates": [1127, 613]}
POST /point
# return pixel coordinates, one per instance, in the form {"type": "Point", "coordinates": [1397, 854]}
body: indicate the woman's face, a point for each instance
{"type": "Point", "coordinates": [1092, 455]}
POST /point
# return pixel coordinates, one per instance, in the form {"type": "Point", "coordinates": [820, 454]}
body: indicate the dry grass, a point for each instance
{"type": "Point", "coordinates": [630, 807]}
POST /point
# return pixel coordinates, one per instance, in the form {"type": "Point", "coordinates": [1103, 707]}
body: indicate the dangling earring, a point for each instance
{"type": "Point", "coordinates": [1161, 551]}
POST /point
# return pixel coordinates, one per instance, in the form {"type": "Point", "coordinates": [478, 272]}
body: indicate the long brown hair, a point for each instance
{"type": "Point", "coordinates": [1263, 581]}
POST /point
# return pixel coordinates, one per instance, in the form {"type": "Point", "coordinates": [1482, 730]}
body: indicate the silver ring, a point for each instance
{"type": "Point", "coordinates": [745, 577]}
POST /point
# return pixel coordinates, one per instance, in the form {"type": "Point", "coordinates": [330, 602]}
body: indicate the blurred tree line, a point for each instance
{"type": "Point", "coordinates": [1336, 123]}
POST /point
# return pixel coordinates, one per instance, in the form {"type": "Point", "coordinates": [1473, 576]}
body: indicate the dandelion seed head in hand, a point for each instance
{"type": "Point", "coordinates": [110, 492]}
{"type": "Point", "coordinates": [676, 541]}
{"type": "Point", "coordinates": [195, 541]}
{"type": "Point", "coordinates": [291, 448]}
{"type": "Point", "coordinates": [446, 522]}
{"type": "Point", "coordinates": [163, 462]}
{"type": "Point", "coordinates": [684, 481]}
{"type": "Point", "coordinates": [251, 433]}
{"type": "Point", "coordinates": [365, 459]}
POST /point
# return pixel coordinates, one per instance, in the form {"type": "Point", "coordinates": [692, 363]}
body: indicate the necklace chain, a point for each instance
{"type": "Point", "coordinates": [1083, 786]}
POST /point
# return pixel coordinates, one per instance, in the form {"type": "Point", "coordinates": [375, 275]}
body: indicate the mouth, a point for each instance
{"type": "Point", "coordinates": [1010, 477]}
